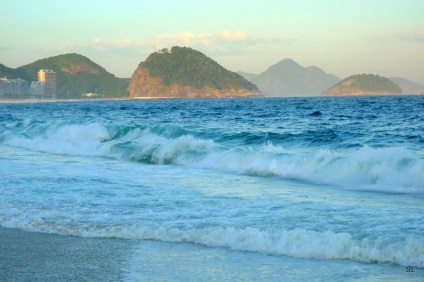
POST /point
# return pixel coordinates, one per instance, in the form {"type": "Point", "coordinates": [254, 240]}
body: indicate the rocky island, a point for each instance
{"type": "Point", "coordinates": [181, 72]}
{"type": "Point", "coordinates": [363, 84]}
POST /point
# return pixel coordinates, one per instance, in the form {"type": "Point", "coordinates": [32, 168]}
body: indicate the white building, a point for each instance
{"type": "Point", "coordinates": [13, 88]}
{"type": "Point", "coordinates": [36, 89]}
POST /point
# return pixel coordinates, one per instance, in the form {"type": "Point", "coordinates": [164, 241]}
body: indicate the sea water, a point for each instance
{"type": "Point", "coordinates": [235, 189]}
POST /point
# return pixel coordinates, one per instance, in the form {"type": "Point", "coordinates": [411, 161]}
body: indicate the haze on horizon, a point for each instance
{"type": "Point", "coordinates": [341, 37]}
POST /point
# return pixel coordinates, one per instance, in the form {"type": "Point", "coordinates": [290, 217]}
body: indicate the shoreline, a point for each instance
{"type": "Point", "coordinates": [50, 257]}
{"type": "Point", "coordinates": [51, 100]}
{"type": "Point", "coordinates": [23, 101]}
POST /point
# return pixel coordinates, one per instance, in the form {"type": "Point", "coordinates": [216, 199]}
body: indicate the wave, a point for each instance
{"type": "Point", "coordinates": [299, 243]}
{"type": "Point", "coordinates": [396, 170]}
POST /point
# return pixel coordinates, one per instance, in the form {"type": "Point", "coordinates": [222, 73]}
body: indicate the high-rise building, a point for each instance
{"type": "Point", "coordinates": [48, 78]}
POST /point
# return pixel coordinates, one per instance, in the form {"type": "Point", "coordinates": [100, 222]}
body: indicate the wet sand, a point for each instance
{"type": "Point", "coordinates": [27, 256]}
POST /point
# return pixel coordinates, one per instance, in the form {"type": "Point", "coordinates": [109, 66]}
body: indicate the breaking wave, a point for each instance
{"type": "Point", "coordinates": [389, 169]}
{"type": "Point", "coordinates": [298, 243]}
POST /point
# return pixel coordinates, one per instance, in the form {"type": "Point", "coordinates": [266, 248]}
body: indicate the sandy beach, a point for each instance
{"type": "Point", "coordinates": [28, 256]}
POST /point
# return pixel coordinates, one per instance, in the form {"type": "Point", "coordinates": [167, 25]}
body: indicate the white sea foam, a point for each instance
{"type": "Point", "coordinates": [386, 169]}
{"type": "Point", "coordinates": [160, 150]}
{"type": "Point", "coordinates": [69, 140]}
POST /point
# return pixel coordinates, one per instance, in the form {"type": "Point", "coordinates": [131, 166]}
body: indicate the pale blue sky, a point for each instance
{"type": "Point", "coordinates": [342, 37]}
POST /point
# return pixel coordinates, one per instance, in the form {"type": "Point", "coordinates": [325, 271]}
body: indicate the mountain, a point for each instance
{"type": "Point", "coordinates": [288, 78]}
{"type": "Point", "coordinates": [363, 84]}
{"type": "Point", "coordinates": [7, 72]}
{"type": "Point", "coordinates": [407, 86]}
{"type": "Point", "coordinates": [248, 76]}
{"type": "Point", "coordinates": [76, 75]}
{"type": "Point", "coordinates": [182, 72]}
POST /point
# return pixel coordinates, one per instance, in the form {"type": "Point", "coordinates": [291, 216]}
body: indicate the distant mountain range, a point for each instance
{"type": "Point", "coordinates": [184, 72]}
{"type": "Point", "coordinates": [287, 78]}
{"type": "Point", "coordinates": [407, 86]}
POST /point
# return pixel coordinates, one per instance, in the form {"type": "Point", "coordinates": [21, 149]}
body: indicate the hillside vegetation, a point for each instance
{"type": "Point", "coordinates": [187, 67]}
{"type": "Point", "coordinates": [364, 84]}
{"type": "Point", "coordinates": [76, 75]}
{"type": "Point", "coordinates": [7, 72]}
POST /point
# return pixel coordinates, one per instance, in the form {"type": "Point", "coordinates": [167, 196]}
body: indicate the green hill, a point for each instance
{"type": "Point", "coordinates": [76, 75]}
{"type": "Point", "coordinates": [184, 72]}
{"type": "Point", "coordinates": [363, 84]}
{"type": "Point", "coordinates": [188, 67]}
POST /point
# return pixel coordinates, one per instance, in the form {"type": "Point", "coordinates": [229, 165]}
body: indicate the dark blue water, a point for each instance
{"type": "Point", "coordinates": [316, 182]}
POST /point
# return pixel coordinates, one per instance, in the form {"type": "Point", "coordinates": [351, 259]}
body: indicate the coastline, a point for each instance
{"type": "Point", "coordinates": [51, 100]}
{"type": "Point", "coordinates": [48, 257]}
{"type": "Point", "coordinates": [23, 101]}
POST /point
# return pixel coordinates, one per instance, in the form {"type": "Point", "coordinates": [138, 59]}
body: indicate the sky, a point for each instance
{"type": "Point", "coordinates": [342, 37]}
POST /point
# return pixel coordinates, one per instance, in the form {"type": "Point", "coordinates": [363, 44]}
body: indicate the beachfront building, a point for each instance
{"type": "Point", "coordinates": [20, 87]}
{"type": "Point", "coordinates": [5, 87]}
{"type": "Point", "coordinates": [36, 89]}
{"type": "Point", "coordinates": [48, 78]}
{"type": "Point", "coordinates": [13, 88]}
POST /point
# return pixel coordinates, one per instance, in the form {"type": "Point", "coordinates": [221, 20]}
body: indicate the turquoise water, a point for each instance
{"type": "Point", "coordinates": [236, 189]}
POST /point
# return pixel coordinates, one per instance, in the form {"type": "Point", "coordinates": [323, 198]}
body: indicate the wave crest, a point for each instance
{"type": "Point", "coordinates": [300, 243]}
{"type": "Point", "coordinates": [379, 169]}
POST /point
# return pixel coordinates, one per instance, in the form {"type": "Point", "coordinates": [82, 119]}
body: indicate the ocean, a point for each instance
{"type": "Point", "coordinates": [265, 189]}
